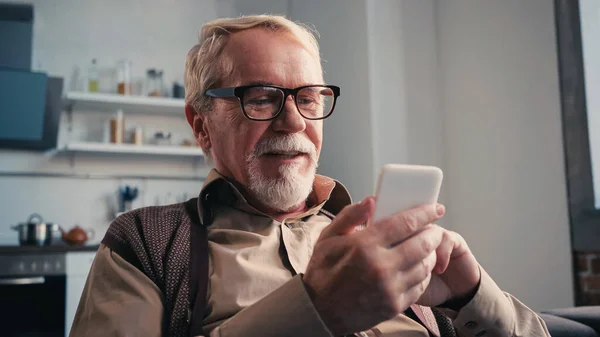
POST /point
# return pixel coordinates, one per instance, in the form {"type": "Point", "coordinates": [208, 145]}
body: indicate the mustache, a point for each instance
{"type": "Point", "coordinates": [287, 143]}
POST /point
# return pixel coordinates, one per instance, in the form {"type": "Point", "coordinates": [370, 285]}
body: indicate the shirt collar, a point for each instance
{"type": "Point", "coordinates": [328, 194]}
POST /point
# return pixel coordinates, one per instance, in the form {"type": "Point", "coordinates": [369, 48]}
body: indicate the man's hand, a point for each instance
{"type": "Point", "coordinates": [359, 279]}
{"type": "Point", "coordinates": [456, 273]}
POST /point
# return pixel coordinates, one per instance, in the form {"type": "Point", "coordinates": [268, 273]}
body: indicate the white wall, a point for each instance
{"type": "Point", "coordinates": [404, 80]}
{"type": "Point", "coordinates": [67, 35]}
{"type": "Point", "coordinates": [503, 143]}
{"type": "Point", "coordinates": [471, 86]}
{"type": "Point", "coordinates": [387, 81]}
{"type": "Point", "coordinates": [347, 153]}
{"type": "Point", "coordinates": [589, 11]}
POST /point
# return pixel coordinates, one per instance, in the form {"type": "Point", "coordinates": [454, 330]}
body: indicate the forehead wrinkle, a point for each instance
{"type": "Point", "coordinates": [290, 74]}
{"type": "Point", "coordinates": [238, 50]}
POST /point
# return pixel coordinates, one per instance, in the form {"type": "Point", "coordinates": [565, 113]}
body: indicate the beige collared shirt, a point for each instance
{"type": "Point", "coordinates": [255, 286]}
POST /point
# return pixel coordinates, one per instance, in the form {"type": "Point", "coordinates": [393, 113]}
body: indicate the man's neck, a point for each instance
{"type": "Point", "coordinates": [280, 215]}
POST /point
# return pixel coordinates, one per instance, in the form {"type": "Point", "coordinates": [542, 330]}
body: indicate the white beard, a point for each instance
{"type": "Point", "coordinates": [293, 187]}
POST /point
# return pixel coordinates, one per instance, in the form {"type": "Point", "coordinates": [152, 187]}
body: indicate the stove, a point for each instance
{"type": "Point", "coordinates": [33, 293]}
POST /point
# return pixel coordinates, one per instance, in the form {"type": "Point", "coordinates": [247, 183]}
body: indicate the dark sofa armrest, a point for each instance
{"type": "Point", "coordinates": [562, 327]}
{"type": "Point", "coordinates": [588, 315]}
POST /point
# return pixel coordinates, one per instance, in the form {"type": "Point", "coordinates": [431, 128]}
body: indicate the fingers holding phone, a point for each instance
{"type": "Point", "coordinates": [382, 270]}
{"type": "Point", "coordinates": [406, 205]}
{"type": "Point", "coordinates": [400, 226]}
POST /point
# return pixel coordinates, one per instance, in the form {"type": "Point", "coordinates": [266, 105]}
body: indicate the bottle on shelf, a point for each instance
{"type": "Point", "coordinates": [124, 80]}
{"type": "Point", "coordinates": [93, 77]}
{"type": "Point", "coordinates": [117, 128]}
{"type": "Point", "coordinates": [137, 136]}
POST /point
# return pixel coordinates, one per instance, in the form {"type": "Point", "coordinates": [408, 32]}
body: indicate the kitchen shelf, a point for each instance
{"type": "Point", "coordinates": [86, 101]}
{"type": "Point", "coordinates": [109, 148]}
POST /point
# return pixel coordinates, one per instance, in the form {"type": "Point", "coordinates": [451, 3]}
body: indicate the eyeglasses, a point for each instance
{"type": "Point", "coordinates": [265, 102]}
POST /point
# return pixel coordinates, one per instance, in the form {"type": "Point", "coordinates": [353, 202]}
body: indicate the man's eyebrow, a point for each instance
{"type": "Point", "coordinates": [259, 83]}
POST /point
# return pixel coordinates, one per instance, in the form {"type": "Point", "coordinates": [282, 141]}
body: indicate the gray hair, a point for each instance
{"type": "Point", "coordinates": [204, 66]}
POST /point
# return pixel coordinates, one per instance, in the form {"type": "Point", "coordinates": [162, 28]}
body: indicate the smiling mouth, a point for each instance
{"type": "Point", "coordinates": [284, 154]}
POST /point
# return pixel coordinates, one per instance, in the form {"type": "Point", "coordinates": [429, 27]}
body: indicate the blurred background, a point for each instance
{"type": "Point", "coordinates": [478, 88]}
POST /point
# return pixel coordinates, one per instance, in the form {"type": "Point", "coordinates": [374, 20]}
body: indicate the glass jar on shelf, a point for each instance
{"type": "Point", "coordinates": [154, 82]}
{"type": "Point", "coordinates": [124, 80]}
{"type": "Point", "coordinates": [159, 82]}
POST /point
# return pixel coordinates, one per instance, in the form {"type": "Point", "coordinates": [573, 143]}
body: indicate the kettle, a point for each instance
{"type": "Point", "coordinates": [77, 236]}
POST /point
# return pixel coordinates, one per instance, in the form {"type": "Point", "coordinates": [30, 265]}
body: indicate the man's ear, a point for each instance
{"type": "Point", "coordinates": [198, 122]}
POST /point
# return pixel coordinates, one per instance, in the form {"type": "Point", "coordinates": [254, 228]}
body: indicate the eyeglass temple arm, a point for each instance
{"type": "Point", "coordinates": [221, 92]}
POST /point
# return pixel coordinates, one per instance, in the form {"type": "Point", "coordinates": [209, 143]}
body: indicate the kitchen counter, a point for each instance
{"type": "Point", "coordinates": [6, 250]}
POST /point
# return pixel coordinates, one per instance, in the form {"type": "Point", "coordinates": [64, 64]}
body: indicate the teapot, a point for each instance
{"type": "Point", "coordinates": [77, 236]}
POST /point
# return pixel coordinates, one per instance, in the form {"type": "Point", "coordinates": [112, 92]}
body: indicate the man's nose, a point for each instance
{"type": "Point", "coordinates": [289, 120]}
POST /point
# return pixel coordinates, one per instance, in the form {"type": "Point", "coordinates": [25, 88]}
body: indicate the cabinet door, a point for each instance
{"type": "Point", "coordinates": [75, 287]}
{"type": "Point", "coordinates": [78, 267]}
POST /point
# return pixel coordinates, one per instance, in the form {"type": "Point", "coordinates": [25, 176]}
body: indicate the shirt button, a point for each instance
{"type": "Point", "coordinates": [471, 325]}
{"type": "Point", "coordinates": [480, 333]}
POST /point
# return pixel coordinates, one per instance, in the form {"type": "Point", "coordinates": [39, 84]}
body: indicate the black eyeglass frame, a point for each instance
{"type": "Point", "coordinates": [241, 90]}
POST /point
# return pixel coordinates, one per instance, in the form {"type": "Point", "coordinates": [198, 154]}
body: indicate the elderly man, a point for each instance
{"type": "Point", "coordinates": [269, 248]}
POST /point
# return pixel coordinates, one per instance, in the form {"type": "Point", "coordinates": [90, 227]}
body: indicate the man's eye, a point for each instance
{"type": "Point", "coordinates": [306, 100]}
{"type": "Point", "coordinates": [261, 101]}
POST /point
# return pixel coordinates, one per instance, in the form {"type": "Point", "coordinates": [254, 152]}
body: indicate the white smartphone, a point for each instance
{"type": "Point", "coordinates": [402, 187]}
